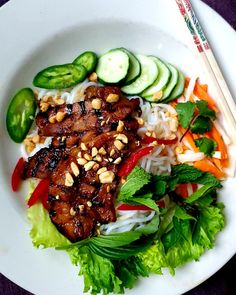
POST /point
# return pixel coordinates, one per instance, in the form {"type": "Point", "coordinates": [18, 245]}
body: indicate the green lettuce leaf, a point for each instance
{"type": "Point", "coordinates": [43, 232]}
{"type": "Point", "coordinates": [98, 272]}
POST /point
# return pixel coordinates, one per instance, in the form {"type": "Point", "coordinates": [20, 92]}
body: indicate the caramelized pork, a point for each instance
{"type": "Point", "coordinates": [89, 144]}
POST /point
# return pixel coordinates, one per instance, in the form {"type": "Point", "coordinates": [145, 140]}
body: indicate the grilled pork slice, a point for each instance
{"type": "Point", "coordinates": [42, 163]}
{"type": "Point", "coordinates": [90, 141]}
{"type": "Point", "coordinates": [93, 114]}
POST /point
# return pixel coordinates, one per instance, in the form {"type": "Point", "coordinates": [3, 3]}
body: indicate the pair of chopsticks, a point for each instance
{"type": "Point", "coordinates": [224, 98]}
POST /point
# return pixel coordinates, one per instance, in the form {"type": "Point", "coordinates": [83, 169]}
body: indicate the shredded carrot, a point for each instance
{"type": "Point", "coordinates": [201, 92]}
{"type": "Point", "coordinates": [217, 163]}
{"type": "Point", "coordinates": [207, 166]}
{"type": "Point", "coordinates": [195, 136]}
{"type": "Point", "coordinates": [204, 87]}
{"type": "Point", "coordinates": [189, 138]}
{"type": "Point", "coordinates": [173, 104]}
{"type": "Point", "coordinates": [214, 134]}
{"type": "Point", "coordinates": [225, 163]}
{"type": "Point", "coordinates": [203, 95]}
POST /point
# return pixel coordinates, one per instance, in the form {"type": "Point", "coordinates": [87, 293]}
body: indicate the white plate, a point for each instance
{"type": "Point", "coordinates": [35, 34]}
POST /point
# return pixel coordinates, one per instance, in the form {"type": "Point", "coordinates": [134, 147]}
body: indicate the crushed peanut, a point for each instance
{"type": "Point", "coordinates": [95, 166]}
{"type": "Point", "coordinates": [140, 121]}
{"type": "Point", "coordinates": [117, 161]}
{"type": "Point", "coordinates": [81, 161]}
{"type": "Point", "coordinates": [69, 180]}
{"type": "Point", "coordinates": [110, 159]}
{"type": "Point", "coordinates": [72, 211]}
{"type": "Point", "coordinates": [120, 126]}
{"type": "Point", "coordinates": [103, 123]}
{"type": "Point", "coordinates": [112, 152]}
{"type": "Point", "coordinates": [102, 151]}
{"type": "Point", "coordinates": [63, 138]}
{"type": "Point", "coordinates": [108, 188]}
{"type": "Point", "coordinates": [122, 137]}
{"type": "Point", "coordinates": [36, 138]}
{"type": "Point", "coordinates": [81, 208]}
{"type": "Point", "coordinates": [44, 106]}
{"type": "Point", "coordinates": [93, 77]}
{"type": "Point", "coordinates": [60, 116]}
{"type": "Point", "coordinates": [74, 169]}
{"type": "Point", "coordinates": [98, 158]}
{"type": "Point", "coordinates": [52, 119]}
{"type": "Point", "coordinates": [106, 177]}
{"type": "Point", "coordinates": [87, 157]}
{"type": "Point", "coordinates": [112, 98]}
{"type": "Point", "coordinates": [89, 203]}
{"type": "Point", "coordinates": [101, 170]}
{"type": "Point", "coordinates": [96, 103]}
{"type": "Point", "coordinates": [94, 151]}
{"type": "Point", "coordinates": [89, 165]}
{"type": "Point", "coordinates": [58, 101]}
{"type": "Point", "coordinates": [107, 121]}
{"type": "Point", "coordinates": [118, 144]}
{"type": "Point", "coordinates": [83, 146]}
{"type": "Point", "coordinates": [79, 154]}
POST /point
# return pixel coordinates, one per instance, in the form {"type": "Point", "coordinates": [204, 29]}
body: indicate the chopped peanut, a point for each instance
{"type": "Point", "coordinates": [89, 165]}
{"type": "Point", "coordinates": [74, 169]}
{"type": "Point", "coordinates": [106, 177]}
{"type": "Point", "coordinates": [69, 180]}
{"type": "Point", "coordinates": [117, 161]}
{"type": "Point", "coordinates": [120, 126]}
{"type": "Point", "coordinates": [101, 170]}
{"type": "Point", "coordinates": [81, 161]}
{"type": "Point", "coordinates": [119, 145]}
{"type": "Point", "coordinates": [60, 116]}
{"type": "Point", "coordinates": [93, 77]}
{"type": "Point", "coordinates": [122, 137]}
{"type": "Point", "coordinates": [96, 103]}
{"type": "Point", "coordinates": [94, 151]}
{"type": "Point", "coordinates": [112, 98]}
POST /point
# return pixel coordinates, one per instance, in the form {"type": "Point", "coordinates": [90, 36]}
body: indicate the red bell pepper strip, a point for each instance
{"type": "Point", "coordinates": [40, 193]}
{"type": "Point", "coordinates": [132, 161]}
{"type": "Point", "coordinates": [16, 175]}
{"type": "Point", "coordinates": [182, 190]}
{"type": "Point", "coordinates": [126, 207]}
{"type": "Point", "coordinates": [149, 139]}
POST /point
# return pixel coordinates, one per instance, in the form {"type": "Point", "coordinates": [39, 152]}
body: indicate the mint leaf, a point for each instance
{"type": "Point", "coordinates": [135, 181]}
{"type": "Point", "coordinates": [185, 113]}
{"type": "Point", "coordinates": [202, 192]}
{"type": "Point", "coordinates": [160, 187]}
{"type": "Point", "coordinates": [186, 173]}
{"type": "Point", "coordinates": [150, 203]}
{"type": "Point", "coordinates": [204, 110]}
{"type": "Point", "coordinates": [206, 146]}
{"type": "Point", "coordinates": [208, 178]}
{"type": "Point", "coordinates": [180, 213]}
{"type": "Point", "coordinates": [201, 125]}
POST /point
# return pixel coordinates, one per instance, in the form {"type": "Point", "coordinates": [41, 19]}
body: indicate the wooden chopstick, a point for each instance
{"type": "Point", "coordinates": [224, 98]}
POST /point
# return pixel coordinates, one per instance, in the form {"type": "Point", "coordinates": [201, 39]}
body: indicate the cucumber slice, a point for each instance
{"type": "Point", "coordinates": [172, 83]}
{"type": "Point", "coordinates": [134, 67]}
{"type": "Point", "coordinates": [88, 59]}
{"type": "Point", "coordinates": [179, 88]}
{"type": "Point", "coordinates": [149, 73]}
{"type": "Point", "coordinates": [113, 66]}
{"type": "Point", "coordinates": [160, 82]}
